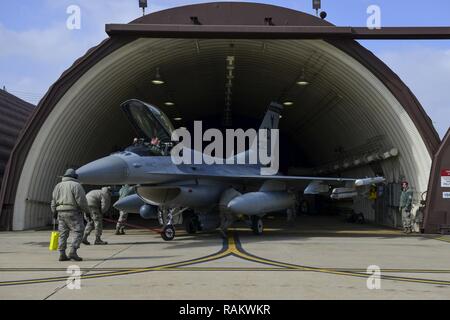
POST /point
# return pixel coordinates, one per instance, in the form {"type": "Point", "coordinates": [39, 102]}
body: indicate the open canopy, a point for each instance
{"type": "Point", "coordinates": [147, 120]}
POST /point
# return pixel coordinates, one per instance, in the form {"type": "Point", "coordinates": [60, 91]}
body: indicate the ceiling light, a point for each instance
{"type": "Point", "coordinates": [177, 119]}
{"type": "Point", "coordinates": [288, 103]}
{"type": "Point", "coordinates": [169, 103]}
{"type": "Point", "coordinates": [302, 81]}
{"type": "Point", "coordinates": [157, 80]}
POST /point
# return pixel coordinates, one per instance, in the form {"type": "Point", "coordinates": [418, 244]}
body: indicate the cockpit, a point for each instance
{"type": "Point", "coordinates": [146, 149]}
{"type": "Point", "coordinates": [152, 126]}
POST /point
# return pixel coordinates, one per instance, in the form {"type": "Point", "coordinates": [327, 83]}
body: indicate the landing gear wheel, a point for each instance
{"type": "Point", "coordinates": [360, 219]}
{"type": "Point", "coordinates": [304, 207]}
{"type": "Point", "coordinates": [191, 225]}
{"type": "Point", "coordinates": [257, 225]}
{"type": "Point", "coordinates": [168, 233]}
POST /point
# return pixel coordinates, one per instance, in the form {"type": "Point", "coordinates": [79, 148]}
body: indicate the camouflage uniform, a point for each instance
{"type": "Point", "coordinates": [69, 201]}
{"type": "Point", "coordinates": [290, 215]}
{"type": "Point", "coordinates": [70, 221]}
{"type": "Point", "coordinates": [405, 208]}
{"type": "Point", "coordinates": [227, 218]}
{"type": "Point", "coordinates": [99, 202]}
{"type": "Point", "coordinates": [125, 191]}
{"type": "Point", "coordinates": [157, 150]}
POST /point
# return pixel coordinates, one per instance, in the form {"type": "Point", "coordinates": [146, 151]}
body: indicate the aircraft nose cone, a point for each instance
{"type": "Point", "coordinates": [104, 171]}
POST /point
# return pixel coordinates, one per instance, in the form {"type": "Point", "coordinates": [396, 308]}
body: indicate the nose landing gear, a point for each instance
{"type": "Point", "coordinates": [166, 214]}
{"type": "Point", "coordinates": [168, 233]}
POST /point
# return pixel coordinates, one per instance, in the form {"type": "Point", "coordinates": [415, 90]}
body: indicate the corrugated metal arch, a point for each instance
{"type": "Point", "coordinates": [15, 113]}
{"type": "Point", "coordinates": [69, 125]}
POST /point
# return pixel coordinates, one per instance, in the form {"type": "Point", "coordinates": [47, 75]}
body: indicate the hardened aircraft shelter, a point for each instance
{"type": "Point", "coordinates": [346, 113]}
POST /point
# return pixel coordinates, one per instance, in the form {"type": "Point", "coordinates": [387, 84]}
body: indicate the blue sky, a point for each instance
{"type": "Point", "coordinates": [36, 47]}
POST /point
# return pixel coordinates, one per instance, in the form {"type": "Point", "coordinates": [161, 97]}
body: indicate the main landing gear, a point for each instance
{"type": "Point", "coordinates": [257, 225]}
{"type": "Point", "coordinates": [191, 223]}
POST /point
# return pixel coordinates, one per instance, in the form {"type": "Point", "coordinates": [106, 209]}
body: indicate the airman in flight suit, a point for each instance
{"type": "Point", "coordinates": [99, 202]}
{"type": "Point", "coordinates": [67, 205]}
{"type": "Point", "coordinates": [406, 199]}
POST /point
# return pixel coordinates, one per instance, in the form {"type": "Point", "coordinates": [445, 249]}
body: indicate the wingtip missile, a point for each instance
{"type": "Point", "coordinates": [369, 181]}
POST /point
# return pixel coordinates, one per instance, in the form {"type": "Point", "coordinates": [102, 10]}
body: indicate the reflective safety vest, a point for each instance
{"type": "Point", "coordinates": [373, 193]}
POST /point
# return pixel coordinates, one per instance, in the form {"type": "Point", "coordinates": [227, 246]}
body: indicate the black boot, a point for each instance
{"type": "Point", "coordinates": [118, 231]}
{"type": "Point", "coordinates": [74, 256]}
{"type": "Point", "coordinates": [85, 241]}
{"type": "Point", "coordinates": [63, 256]}
{"type": "Point", "coordinates": [99, 241]}
{"type": "Point", "coordinates": [122, 230]}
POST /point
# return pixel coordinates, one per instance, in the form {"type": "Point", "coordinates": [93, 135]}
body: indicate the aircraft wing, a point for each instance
{"type": "Point", "coordinates": [287, 179]}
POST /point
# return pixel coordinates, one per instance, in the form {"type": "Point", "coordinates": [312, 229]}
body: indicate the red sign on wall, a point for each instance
{"type": "Point", "coordinates": [445, 178]}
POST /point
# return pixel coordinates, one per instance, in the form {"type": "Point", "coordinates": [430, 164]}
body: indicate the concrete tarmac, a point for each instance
{"type": "Point", "coordinates": [313, 258]}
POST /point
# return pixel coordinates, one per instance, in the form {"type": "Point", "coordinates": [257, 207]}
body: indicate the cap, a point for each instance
{"type": "Point", "coordinates": [71, 173]}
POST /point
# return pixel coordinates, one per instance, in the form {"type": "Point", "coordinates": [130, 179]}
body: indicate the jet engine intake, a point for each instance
{"type": "Point", "coordinates": [192, 196]}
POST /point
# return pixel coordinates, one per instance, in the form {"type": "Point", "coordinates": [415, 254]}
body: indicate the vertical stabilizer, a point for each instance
{"type": "Point", "coordinates": [272, 117]}
{"type": "Point", "coordinates": [270, 121]}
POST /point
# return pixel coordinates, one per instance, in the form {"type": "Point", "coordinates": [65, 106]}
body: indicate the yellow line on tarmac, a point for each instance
{"type": "Point", "coordinates": [445, 239]}
{"type": "Point", "coordinates": [246, 256]}
{"type": "Point", "coordinates": [232, 248]}
{"type": "Point", "coordinates": [182, 267]}
{"type": "Point", "coordinates": [122, 272]}
{"type": "Point", "coordinates": [228, 269]}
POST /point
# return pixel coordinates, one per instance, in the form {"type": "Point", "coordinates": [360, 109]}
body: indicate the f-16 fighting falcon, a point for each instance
{"type": "Point", "coordinates": [205, 196]}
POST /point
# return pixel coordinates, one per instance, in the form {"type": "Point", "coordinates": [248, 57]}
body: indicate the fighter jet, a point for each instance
{"type": "Point", "coordinates": [205, 195]}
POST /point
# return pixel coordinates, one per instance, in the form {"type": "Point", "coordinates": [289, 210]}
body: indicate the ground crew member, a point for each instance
{"type": "Point", "coordinates": [291, 213]}
{"type": "Point", "coordinates": [99, 202]}
{"type": "Point", "coordinates": [125, 191]}
{"type": "Point", "coordinates": [68, 204]}
{"type": "Point", "coordinates": [227, 218]}
{"type": "Point", "coordinates": [406, 207]}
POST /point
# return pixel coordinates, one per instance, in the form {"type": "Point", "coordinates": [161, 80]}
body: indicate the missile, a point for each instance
{"type": "Point", "coordinates": [259, 203]}
{"type": "Point", "coordinates": [343, 193]}
{"type": "Point", "coordinates": [130, 204]}
{"type": "Point", "coordinates": [369, 181]}
{"type": "Point", "coordinates": [134, 204]}
{"type": "Point", "coordinates": [147, 211]}
{"type": "Point", "coordinates": [316, 187]}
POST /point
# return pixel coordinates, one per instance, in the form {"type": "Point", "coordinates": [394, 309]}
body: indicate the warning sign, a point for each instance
{"type": "Point", "coordinates": [445, 178]}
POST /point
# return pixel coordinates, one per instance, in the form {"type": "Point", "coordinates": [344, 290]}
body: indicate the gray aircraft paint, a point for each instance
{"type": "Point", "coordinates": [199, 186]}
